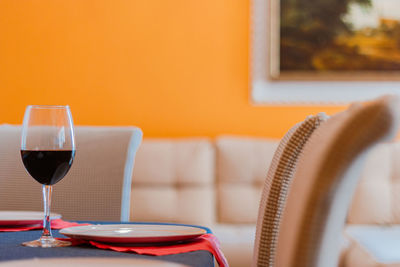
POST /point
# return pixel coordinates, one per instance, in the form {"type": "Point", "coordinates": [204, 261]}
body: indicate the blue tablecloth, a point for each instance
{"type": "Point", "coordinates": [11, 249]}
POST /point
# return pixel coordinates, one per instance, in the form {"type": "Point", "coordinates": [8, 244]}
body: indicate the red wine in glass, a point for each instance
{"type": "Point", "coordinates": [47, 166]}
{"type": "Point", "coordinates": [47, 151]}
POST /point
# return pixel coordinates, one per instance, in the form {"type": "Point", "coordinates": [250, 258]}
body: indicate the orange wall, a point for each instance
{"type": "Point", "coordinates": [173, 68]}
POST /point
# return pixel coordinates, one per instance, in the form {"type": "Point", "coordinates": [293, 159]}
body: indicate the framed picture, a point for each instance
{"type": "Point", "coordinates": [328, 73]}
{"type": "Point", "coordinates": [334, 40]}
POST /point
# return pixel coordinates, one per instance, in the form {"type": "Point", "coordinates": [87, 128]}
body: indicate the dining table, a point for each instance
{"type": "Point", "coordinates": [373, 245]}
{"type": "Point", "coordinates": [11, 250]}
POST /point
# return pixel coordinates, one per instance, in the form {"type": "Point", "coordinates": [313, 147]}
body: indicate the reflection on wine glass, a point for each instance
{"type": "Point", "coordinates": [47, 151]}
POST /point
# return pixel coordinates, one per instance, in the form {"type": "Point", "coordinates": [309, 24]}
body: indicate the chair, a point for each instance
{"type": "Point", "coordinates": [280, 241]}
{"type": "Point", "coordinates": [326, 175]}
{"type": "Point", "coordinates": [276, 187]}
{"type": "Point", "coordinates": [98, 185]}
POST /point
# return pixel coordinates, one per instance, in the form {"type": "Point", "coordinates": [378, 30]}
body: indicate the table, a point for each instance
{"type": "Point", "coordinates": [373, 246]}
{"type": "Point", "coordinates": [11, 249]}
{"type": "Point", "coordinates": [89, 262]}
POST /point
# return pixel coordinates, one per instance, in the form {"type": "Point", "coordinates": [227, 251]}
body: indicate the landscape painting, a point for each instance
{"type": "Point", "coordinates": [335, 39]}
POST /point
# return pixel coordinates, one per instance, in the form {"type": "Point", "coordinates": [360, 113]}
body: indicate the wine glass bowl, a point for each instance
{"type": "Point", "coordinates": [47, 151]}
{"type": "Point", "coordinates": [47, 166]}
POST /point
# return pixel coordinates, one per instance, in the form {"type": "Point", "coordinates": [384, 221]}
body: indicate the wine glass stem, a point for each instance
{"type": "Point", "coordinates": [47, 189]}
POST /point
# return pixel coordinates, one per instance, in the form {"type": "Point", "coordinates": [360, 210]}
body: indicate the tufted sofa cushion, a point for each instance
{"type": "Point", "coordinates": [377, 198]}
{"type": "Point", "coordinates": [395, 183]}
{"type": "Point", "coordinates": [173, 181]}
{"type": "Point", "coordinates": [242, 164]}
{"type": "Point", "coordinates": [372, 201]}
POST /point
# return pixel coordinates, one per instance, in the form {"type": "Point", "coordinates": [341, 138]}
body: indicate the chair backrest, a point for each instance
{"type": "Point", "coordinates": [97, 187]}
{"type": "Point", "coordinates": [324, 181]}
{"type": "Point", "coordinates": [276, 187]}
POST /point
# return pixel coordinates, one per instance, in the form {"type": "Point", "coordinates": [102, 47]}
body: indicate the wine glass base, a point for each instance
{"type": "Point", "coordinates": [47, 242]}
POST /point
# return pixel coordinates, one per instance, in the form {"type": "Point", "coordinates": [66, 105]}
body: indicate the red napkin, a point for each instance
{"type": "Point", "coordinates": [55, 224]}
{"type": "Point", "coordinates": [205, 242]}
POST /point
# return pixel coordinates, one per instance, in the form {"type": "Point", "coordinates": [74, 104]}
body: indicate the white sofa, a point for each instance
{"type": "Point", "coordinates": [217, 183]}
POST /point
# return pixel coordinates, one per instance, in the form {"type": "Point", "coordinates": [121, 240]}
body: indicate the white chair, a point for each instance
{"type": "Point", "coordinates": [276, 188]}
{"type": "Point", "coordinates": [98, 185]}
{"type": "Point", "coordinates": [326, 176]}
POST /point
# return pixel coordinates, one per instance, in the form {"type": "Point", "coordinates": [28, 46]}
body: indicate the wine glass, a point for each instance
{"type": "Point", "coordinates": [47, 151]}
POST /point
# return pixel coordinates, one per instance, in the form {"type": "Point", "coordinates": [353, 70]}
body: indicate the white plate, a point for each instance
{"type": "Point", "coordinates": [23, 217]}
{"type": "Point", "coordinates": [88, 262]}
{"type": "Point", "coordinates": [133, 233]}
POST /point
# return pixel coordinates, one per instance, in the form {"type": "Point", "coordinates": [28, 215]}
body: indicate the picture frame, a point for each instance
{"type": "Point", "coordinates": [351, 47]}
{"type": "Point", "coordinates": [295, 90]}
